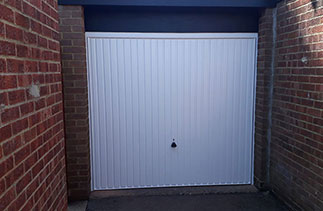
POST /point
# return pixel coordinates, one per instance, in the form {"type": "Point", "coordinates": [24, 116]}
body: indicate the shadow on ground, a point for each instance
{"type": "Point", "coordinates": [222, 202]}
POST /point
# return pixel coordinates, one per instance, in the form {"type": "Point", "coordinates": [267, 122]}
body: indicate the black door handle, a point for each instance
{"type": "Point", "coordinates": [174, 145]}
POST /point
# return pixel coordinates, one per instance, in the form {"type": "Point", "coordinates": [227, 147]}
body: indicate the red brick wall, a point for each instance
{"type": "Point", "coordinates": [297, 133]}
{"type": "Point", "coordinates": [32, 151]}
{"type": "Point", "coordinates": [76, 101]}
{"type": "Point", "coordinates": [296, 171]}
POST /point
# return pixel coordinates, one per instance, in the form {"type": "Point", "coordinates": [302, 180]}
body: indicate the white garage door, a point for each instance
{"type": "Point", "coordinates": [171, 109]}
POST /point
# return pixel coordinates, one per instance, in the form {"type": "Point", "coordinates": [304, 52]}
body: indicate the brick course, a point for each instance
{"type": "Point", "coordinates": [296, 170]}
{"type": "Point", "coordinates": [32, 148]}
{"type": "Point", "coordinates": [76, 101]}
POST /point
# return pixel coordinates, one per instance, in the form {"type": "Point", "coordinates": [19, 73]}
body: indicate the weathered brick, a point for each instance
{"type": "Point", "coordinates": [5, 132]}
{"type": "Point", "coordinates": [31, 66]}
{"type": "Point", "coordinates": [19, 125]}
{"type": "Point", "coordinates": [6, 13]}
{"type": "Point", "coordinates": [16, 96]}
{"type": "Point", "coordinates": [7, 198]}
{"type": "Point", "coordinates": [22, 20]}
{"type": "Point", "coordinates": [17, 204]}
{"type": "Point", "coordinates": [3, 66]}
{"type": "Point", "coordinates": [22, 50]}
{"type": "Point", "coordinates": [15, 66]}
{"type": "Point", "coordinates": [14, 33]}
{"type": "Point", "coordinates": [10, 146]}
{"type": "Point", "coordinates": [14, 175]}
{"type": "Point", "coordinates": [2, 29]}
{"type": "Point", "coordinates": [7, 48]}
{"type": "Point", "coordinates": [22, 154]}
{"type": "Point", "coordinates": [24, 80]}
{"type": "Point", "coordinates": [10, 114]}
{"type": "Point", "coordinates": [23, 182]}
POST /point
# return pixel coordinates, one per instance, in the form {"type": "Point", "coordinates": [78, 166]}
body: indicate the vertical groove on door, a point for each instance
{"type": "Point", "coordinates": [99, 107]}
{"type": "Point", "coordinates": [146, 92]}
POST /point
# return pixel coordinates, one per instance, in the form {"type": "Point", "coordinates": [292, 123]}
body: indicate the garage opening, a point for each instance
{"type": "Point", "coordinates": [171, 109]}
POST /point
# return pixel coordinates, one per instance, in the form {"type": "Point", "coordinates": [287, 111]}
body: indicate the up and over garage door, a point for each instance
{"type": "Point", "coordinates": [171, 109]}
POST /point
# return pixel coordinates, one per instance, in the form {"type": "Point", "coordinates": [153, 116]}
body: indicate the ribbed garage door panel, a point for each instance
{"type": "Point", "coordinates": [146, 91]}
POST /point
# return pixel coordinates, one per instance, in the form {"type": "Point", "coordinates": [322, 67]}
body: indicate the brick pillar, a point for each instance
{"type": "Point", "coordinates": [73, 55]}
{"type": "Point", "coordinates": [265, 48]}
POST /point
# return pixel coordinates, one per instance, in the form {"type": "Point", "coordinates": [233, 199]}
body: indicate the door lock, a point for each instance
{"type": "Point", "coordinates": [174, 145]}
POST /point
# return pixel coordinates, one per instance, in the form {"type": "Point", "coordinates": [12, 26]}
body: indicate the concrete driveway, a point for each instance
{"type": "Point", "coordinates": [203, 202]}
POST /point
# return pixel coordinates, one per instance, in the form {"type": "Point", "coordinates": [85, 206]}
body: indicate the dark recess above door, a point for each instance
{"type": "Point", "coordinates": [171, 15]}
{"type": "Point", "coordinates": [170, 19]}
{"type": "Point", "coordinates": [174, 3]}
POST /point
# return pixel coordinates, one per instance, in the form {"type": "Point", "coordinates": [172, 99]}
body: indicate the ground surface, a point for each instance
{"type": "Point", "coordinates": [222, 202]}
{"type": "Point", "coordinates": [77, 206]}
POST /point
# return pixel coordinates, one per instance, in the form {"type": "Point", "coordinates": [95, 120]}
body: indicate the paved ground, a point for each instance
{"type": "Point", "coordinates": [77, 206]}
{"type": "Point", "coordinates": [222, 202]}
